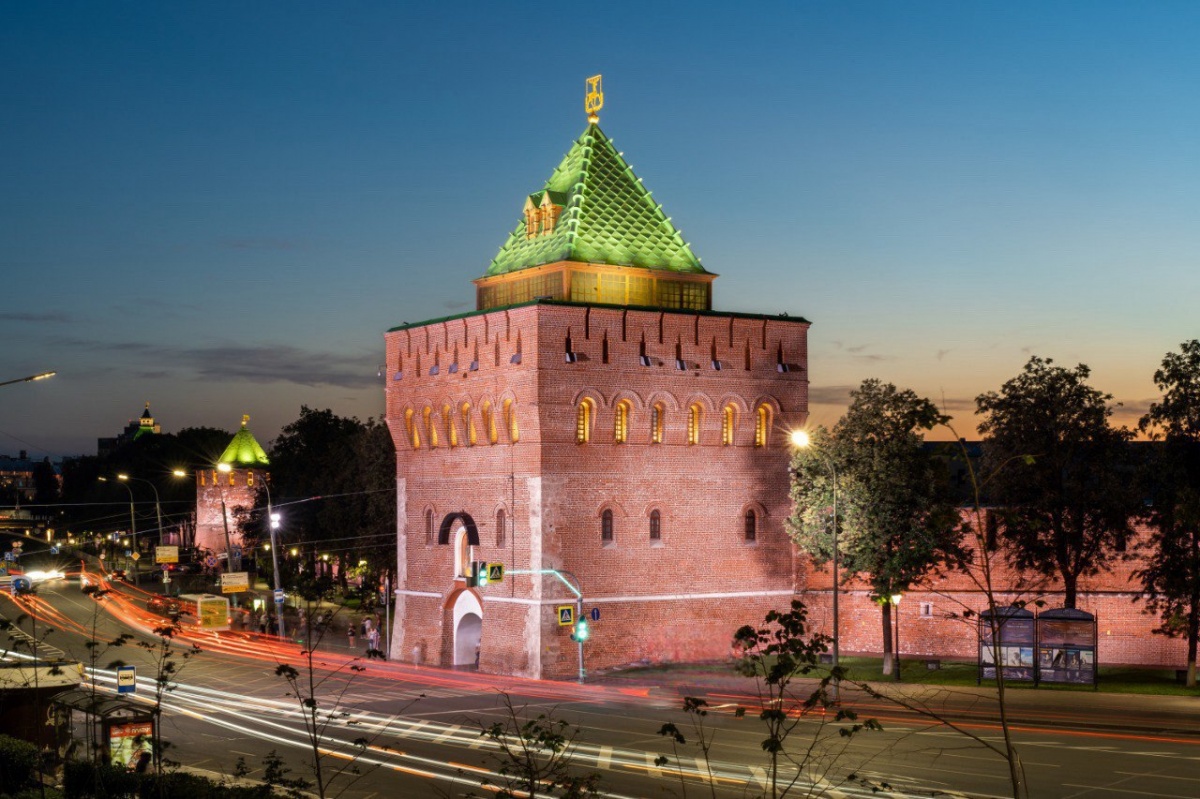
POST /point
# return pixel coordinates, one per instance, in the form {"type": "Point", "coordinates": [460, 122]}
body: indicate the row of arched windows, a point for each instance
{"type": "Point", "coordinates": [434, 426]}
{"type": "Point", "coordinates": [608, 531]}
{"type": "Point", "coordinates": [585, 415]}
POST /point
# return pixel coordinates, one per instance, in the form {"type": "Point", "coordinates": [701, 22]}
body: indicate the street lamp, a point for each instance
{"type": "Point", "coordinates": [29, 379]}
{"type": "Point", "coordinates": [802, 440]}
{"type": "Point", "coordinates": [132, 525]}
{"type": "Point", "coordinates": [157, 503]}
{"type": "Point", "coordinates": [896, 656]}
{"type": "Point", "coordinates": [273, 521]}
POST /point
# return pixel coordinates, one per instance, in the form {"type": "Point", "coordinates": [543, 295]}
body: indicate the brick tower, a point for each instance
{"type": "Point", "coordinates": [230, 483]}
{"type": "Point", "coordinates": [592, 422]}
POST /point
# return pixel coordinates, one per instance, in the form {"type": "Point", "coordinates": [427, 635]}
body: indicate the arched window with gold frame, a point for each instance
{"type": "Point", "coordinates": [583, 420]}
{"type": "Point", "coordinates": [694, 418]}
{"type": "Point", "coordinates": [430, 427]}
{"type": "Point", "coordinates": [489, 422]}
{"type": "Point", "coordinates": [510, 421]}
{"type": "Point", "coordinates": [621, 422]}
{"type": "Point", "coordinates": [728, 415]}
{"type": "Point", "coordinates": [468, 424]}
{"type": "Point", "coordinates": [410, 425]}
{"type": "Point", "coordinates": [451, 430]}
{"type": "Point", "coordinates": [656, 423]}
{"type": "Point", "coordinates": [762, 426]}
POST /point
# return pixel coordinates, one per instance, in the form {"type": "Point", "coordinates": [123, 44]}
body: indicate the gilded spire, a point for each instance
{"type": "Point", "coordinates": [245, 419]}
{"type": "Point", "coordinates": [593, 99]}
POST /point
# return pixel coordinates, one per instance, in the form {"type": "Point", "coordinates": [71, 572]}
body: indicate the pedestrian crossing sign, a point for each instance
{"type": "Point", "coordinates": [495, 572]}
{"type": "Point", "coordinates": [566, 615]}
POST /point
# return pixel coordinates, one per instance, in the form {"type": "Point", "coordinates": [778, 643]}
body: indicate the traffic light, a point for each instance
{"type": "Point", "coordinates": [479, 574]}
{"type": "Point", "coordinates": [581, 632]}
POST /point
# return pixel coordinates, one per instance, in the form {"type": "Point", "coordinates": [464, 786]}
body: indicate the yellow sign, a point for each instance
{"type": "Point", "coordinates": [166, 554]}
{"type": "Point", "coordinates": [593, 100]}
{"type": "Point", "coordinates": [136, 556]}
{"type": "Point", "coordinates": [212, 613]}
{"type": "Point", "coordinates": [235, 582]}
{"type": "Point", "coordinates": [566, 615]}
{"type": "Point", "coordinates": [495, 572]}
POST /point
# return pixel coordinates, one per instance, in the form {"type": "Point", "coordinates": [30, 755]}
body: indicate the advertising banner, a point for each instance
{"type": "Point", "coordinates": [130, 743]}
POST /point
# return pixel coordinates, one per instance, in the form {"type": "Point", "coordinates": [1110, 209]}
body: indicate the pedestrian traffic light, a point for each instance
{"type": "Point", "coordinates": [580, 634]}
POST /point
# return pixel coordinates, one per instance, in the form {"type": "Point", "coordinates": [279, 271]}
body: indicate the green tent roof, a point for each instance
{"type": "Point", "coordinates": [243, 451]}
{"type": "Point", "coordinates": [608, 217]}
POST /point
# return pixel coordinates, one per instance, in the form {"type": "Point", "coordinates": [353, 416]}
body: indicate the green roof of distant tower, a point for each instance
{"type": "Point", "coordinates": [244, 451]}
{"type": "Point", "coordinates": [607, 217]}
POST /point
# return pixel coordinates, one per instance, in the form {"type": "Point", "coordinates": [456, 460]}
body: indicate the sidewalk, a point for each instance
{"type": "Point", "coordinates": [1149, 714]}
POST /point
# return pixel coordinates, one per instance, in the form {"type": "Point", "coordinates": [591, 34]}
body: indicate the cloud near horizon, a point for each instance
{"type": "Point", "coordinates": [256, 364]}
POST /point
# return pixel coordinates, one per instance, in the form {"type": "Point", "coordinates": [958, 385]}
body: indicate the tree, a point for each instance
{"type": "Point", "coordinates": [896, 518]}
{"type": "Point", "coordinates": [793, 689]}
{"type": "Point", "coordinates": [1067, 498]}
{"type": "Point", "coordinates": [349, 464]}
{"type": "Point", "coordinates": [1171, 575]}
{"type": "Point", "coordinates": [319, 690]}
{"type": "Point", "coordinates": [534, 756]}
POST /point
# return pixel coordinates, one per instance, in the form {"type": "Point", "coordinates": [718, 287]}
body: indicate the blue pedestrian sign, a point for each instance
{"type": "Point", "coordinates": [126, 679]}
{"type": "Point", "coordinates": [279, 596]}
{"type": "Point", "coordinates": [595, 614]}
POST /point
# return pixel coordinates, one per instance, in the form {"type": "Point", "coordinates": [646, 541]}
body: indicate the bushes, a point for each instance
{"type": "Point", "coordinates": [18, 764]}
{"type": "Point", "coordinates": [87, 781]}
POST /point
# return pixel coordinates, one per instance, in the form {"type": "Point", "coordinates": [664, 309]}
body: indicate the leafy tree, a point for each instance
{"type": "Point", "coordinates": [534, 757]}
{"type": "Point", "coordinates": [350, 465]}
{"type": "Point", "coordinates": [1067, 497]}
{"type": "Point", "coordinates": [779, 656]}
{"type": "Point", "coordinates": [896, 519]}
{"type": "Point", "coordinates": [1171, 575]}
{"type": "Point", "coordinates": [319, 690]}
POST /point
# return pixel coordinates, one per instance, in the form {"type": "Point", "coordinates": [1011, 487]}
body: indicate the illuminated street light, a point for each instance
{"type": "Point", "coordinates": [896, 656]}
{"type": "Point", "coordinates": [30, 379]}
{"type": "Point", "coordinates": [132, 525]}
{"type": "Point", "coordinates": [802, 440]}
{"type": "Point", "coordinates": [157, 503]}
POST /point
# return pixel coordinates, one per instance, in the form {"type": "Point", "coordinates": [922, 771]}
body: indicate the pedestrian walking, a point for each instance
{"type": "Point", "coordinates": [373, 640]}
{"type": "Point", "coordinates": [350, 634]}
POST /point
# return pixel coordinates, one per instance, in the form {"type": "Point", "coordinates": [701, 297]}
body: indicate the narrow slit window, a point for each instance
{"type": "Point", "coordinates": [621, 423]}
{"type": "Point", "coordinates": [606, 528]}
{"type": "Point", "coordinates": [655, 525]}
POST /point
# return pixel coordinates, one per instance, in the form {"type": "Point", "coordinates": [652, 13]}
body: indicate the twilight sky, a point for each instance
{"type": "Point", "coordinates": [220, 207]}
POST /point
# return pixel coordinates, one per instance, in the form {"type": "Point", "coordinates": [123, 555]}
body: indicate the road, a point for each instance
{"type": "Point", "coordinates": [422, 726]}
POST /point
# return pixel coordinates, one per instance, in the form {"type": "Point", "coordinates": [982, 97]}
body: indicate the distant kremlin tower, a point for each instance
{"type": "Point", "coordinates": [232, 482]}
{"type": "Point", "coordinates": [595, 424]}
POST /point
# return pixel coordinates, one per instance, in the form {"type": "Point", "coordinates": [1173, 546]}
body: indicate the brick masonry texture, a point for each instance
{"type": "Point", "coordinates": [677, 598]}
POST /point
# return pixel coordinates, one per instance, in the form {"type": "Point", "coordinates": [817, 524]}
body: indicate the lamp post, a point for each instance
{"type": "Point", "coordinates": [29, 379]}
{"type": "Point", "coordinates": [801, 439]}
{"type": "Point", "coordinates": [157, 502]}
{"type": "Point", "coordinates": [896, 656]}
{"type": "Point", "coordinates": [132, 525]}
{"type": "Point", "coordinates": [273, 525]}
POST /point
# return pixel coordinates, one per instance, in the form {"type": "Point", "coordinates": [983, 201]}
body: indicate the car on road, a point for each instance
{"type": "Point", "coordinates": [164, 605]}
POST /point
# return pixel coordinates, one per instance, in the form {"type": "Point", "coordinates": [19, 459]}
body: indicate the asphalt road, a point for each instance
{"type": "Point", "coordinates": [421, 726]}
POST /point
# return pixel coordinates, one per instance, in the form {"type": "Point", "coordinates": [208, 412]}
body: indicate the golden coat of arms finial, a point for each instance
{"type": "Point", "coordinates": [593, 99]}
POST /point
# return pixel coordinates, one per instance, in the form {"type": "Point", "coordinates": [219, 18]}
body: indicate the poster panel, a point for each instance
{"type": "Point", "coordinates": [130, 743]}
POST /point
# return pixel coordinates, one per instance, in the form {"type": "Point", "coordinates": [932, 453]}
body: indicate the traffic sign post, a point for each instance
{"type": "Point", "coordinates": [567, 614]}
{"type": "Point", "coordinates": [126, 679]}
{"type": "Point", "coordinates": [595, 614]}
{"type": "Point", "coordinates": [279, 596]}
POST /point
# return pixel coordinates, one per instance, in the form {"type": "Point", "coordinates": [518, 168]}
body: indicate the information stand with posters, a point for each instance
{"type": "Point", "coordinates": [1067, 646]}
{"type": "Point", "coordinates": [130, 742]}
{"type": "Point", "coordinates": [1017, 645]}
